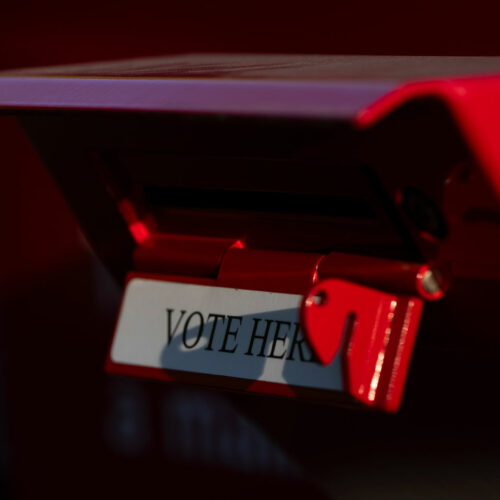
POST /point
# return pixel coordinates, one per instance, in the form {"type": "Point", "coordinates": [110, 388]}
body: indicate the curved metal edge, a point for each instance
{"type": "Point", "coordinates": [474, 104]}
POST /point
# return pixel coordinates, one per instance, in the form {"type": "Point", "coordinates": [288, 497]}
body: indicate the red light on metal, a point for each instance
{"type": "Point", "coordinates": [428, 281]}
{"type": "Point", "coordinates": [139, 231]}
{"type": "Point", "coordinates": [372, 331]}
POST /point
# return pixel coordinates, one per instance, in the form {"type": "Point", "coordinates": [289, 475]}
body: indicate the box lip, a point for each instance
{"type": "Point", "coordinates": [301, 99]}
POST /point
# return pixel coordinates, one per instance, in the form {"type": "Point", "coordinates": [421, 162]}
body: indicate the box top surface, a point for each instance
{"type": "Point", "coordinates": [303, 86]}
{"type": "Point", "coordinates": [276, 67]}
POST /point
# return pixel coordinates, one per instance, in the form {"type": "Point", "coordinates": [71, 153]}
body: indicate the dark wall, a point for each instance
{"type": "Point", "coordinates": [56, 31]}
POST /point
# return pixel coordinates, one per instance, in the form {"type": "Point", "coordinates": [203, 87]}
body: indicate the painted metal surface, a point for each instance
{"type": "Point", "coordinates": [375, 332]}
{"type": "Point", "coordinates": [426, 281]}
{"type": "Point", "coordinates": [474, 104]}
{"type": "Point", "coordinates": [252, 98]}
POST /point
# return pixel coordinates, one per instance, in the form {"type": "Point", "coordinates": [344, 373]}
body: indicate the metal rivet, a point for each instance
{"type": "Point", "coordinates": [432, 281]}
{"type": "Point", "coordinates": [320, 298]}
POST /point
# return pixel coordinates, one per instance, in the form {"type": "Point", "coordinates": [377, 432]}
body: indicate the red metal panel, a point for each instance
{"type": "Point", "coordinates": [377, 331]}
{"type": "Point", "coordinates": [475, 105]}
{"type": "Point", "coordinates": [429, 282]}
{"type": "Point", "coordinates": [287, 272]}
{"type": "Point", "coordinates": [182, 254]}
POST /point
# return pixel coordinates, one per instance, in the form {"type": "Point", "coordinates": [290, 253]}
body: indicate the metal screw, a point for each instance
{"type": "Point", "coordinates": [432, 281]}
{"type": "Point", "coordinates": [320, 298]}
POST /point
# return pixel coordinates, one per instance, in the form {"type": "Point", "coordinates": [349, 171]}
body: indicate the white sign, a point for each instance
{"type": "Point", "coordinates": [243, 334]}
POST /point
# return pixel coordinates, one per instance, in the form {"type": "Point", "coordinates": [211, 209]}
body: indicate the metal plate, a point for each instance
{"type": "Point", "coordinates": [230, 333]}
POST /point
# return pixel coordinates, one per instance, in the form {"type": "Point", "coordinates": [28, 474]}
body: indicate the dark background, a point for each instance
{"type": "Point", "coordinates": [52, 32]}
{"type": "Point", "coordinates": [58, 303]}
